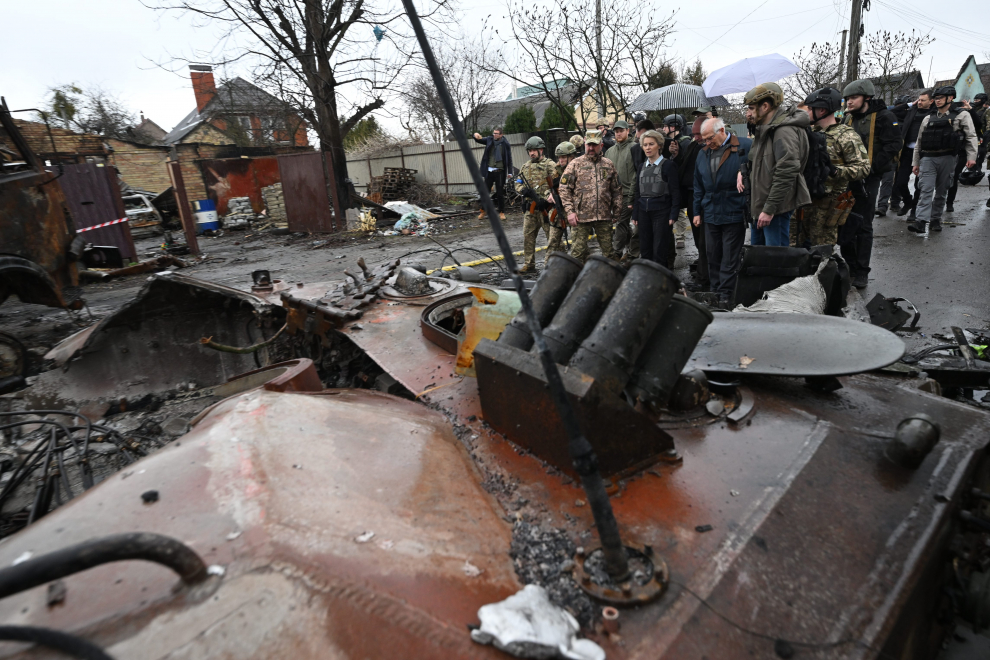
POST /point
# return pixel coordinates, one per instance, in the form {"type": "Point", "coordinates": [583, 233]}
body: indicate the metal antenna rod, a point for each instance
{"type": "Point", "coordinates": [582, 453]}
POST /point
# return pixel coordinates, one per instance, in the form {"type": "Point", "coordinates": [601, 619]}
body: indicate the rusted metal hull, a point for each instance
{"type": "Point", "coordinates": [151, 345]}
{"type": "Point", "coordinates": [816, 537]}
{"type": "Point", "coordinates": [35, 236]}
{"type": "Point", "coordinates": [280, 511]}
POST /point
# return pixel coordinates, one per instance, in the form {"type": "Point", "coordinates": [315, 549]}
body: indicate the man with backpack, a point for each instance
{"type": "Point", "coordinates": [819, 223]}
{"type": "Point", "coordinates": [878, 128]}
{"type": "Point", "coordinates": [776, 163]}
{"type": "Point", "coordinates": [944, 134]}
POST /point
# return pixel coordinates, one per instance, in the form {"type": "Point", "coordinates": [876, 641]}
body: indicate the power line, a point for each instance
{"type": "Point", "coordinates": [730, 29]}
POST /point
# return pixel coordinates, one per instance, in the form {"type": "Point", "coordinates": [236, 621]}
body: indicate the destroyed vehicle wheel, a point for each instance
{"type": "Point", "coordinates": [13, 357]}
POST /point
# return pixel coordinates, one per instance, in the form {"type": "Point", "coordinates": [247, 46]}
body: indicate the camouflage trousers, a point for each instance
{"type": "Point", "coordinates": [556, 242]}
{"type": "Point", "coordinates": [626, 235]}
{"type": "Point", "coordinates": [532, 223]}
{"type": "Point", "coordinates": [579, 241]}
{"type": "Point", "coordinates": [810, 225]}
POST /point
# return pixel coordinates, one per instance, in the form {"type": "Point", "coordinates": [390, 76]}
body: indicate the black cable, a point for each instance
{"type": "Point", "coordinates": [55, 565]}
{"type": "Point", "coordinates": [77, 647]}
{"type": "Point", "coordinates": [581, 451]}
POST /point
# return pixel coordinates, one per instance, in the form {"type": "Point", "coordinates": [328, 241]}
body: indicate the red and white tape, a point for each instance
{"type": "Point", "coordinates": [104, 224]}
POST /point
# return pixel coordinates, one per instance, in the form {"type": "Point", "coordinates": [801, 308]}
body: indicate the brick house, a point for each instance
{"type": "Point", "coordinates": [236, 112]}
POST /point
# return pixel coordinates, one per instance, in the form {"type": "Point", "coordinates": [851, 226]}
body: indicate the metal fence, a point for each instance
{"type": "Point", "coordinates": [442, 164]}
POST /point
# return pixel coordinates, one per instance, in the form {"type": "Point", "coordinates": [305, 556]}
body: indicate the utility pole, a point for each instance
{"type": "Point", "coordinates": [855, 22]}
{"type": "Point", "coordinates": [598, 61]}
{"type": "Point", "coordinates": [842, 62]}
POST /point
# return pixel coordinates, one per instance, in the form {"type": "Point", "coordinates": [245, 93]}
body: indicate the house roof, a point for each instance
{"type": "Point", "coordinates": [495, 114]}
{"type": "Point", "coordinates": [236, 96]}
{"type": "Point", "coordinates": [533, 90]}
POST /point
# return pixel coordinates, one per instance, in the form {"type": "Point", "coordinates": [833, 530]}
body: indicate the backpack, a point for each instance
{"type": "Point", "coordinates": [819, 166]}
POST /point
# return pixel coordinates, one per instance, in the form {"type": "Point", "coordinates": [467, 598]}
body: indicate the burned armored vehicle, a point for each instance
{"type": "Point", "coordinates": [383, 460]}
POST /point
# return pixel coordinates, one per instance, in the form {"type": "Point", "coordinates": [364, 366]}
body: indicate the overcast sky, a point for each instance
{"type": "Point", "coordinates": [114, 43]}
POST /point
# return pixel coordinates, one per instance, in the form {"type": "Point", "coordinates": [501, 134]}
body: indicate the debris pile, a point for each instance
{"type": "Point", "coordinates": [275, 204]}
{"type": "Point", "coordinates": [240, 213]}
{"type": "Point", "coordinates": [545, 557]}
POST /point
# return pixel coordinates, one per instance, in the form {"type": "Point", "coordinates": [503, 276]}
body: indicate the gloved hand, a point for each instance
{"type": "Point", "coordinates": [543, 205]}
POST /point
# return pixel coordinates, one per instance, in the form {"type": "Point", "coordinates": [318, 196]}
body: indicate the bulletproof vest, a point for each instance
{"type": "Point", "coordinates": [651, 183]}
{"type": "Point", "coordinates": [939, 137]}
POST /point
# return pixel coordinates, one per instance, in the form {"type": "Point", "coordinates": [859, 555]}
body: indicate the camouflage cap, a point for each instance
{"type": "Point", "coordinates": [593, 137]}
{"type": "Point", "coordinates": [767, 91]}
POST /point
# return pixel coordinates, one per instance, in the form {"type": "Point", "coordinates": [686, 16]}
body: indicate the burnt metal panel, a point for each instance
{"type": "Point", "coordinates": [239, 177]}
{"type": "Point", "coordinates": [304, 187]}
{"type": "Point", "coordinates": [92, 201]}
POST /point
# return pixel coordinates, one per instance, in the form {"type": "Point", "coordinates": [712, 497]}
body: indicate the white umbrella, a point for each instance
{"type": "Point", "coordinates": [674, 96]}
{"type": "Point", "coordinates": [746, 74]}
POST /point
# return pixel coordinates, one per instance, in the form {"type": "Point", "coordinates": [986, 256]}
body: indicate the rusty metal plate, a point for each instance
{"type": "Point", "coordinates": [93, 196]}
{"type": "Point", "coordinates": [304, 187]}
{"type": "Point", "coordinates": [794, 345]}
{"type": "Point", "coordinates": [283, 491]}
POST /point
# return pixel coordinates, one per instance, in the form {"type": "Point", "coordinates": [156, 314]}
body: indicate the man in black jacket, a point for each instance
{"type": "Point", "coordinates": [878, 128]}
{"type": "Point", "coordinates": [496, 164]}
{"type": "Point", "coordinates": [910, 125]}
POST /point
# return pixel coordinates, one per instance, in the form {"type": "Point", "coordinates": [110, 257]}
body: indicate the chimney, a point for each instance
{"type": "Point", "coordinates": [515, 91]}
{"type": "Point", "coordinates": [203, 86]}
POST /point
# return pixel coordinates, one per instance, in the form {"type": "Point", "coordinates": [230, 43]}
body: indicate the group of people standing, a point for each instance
{"type": "Point", "coordinates": [804, 176]}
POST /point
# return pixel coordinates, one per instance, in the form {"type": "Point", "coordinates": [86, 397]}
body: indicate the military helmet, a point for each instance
{"type": "Point", "coordinates": [981, 97]}
{"type": "Point", "coordinates": [535, 142]}
{"type": "Point", "coordinates": [859, 88]}
{"type": "Point", "coordinates": [945, 90]}
{"type": "Point", "coordinates": [827, 98]}
{"type": "Point", "coordinates": [565, 148]}
{"type": "Point", "coordinates": [675, 120]}
{"type": "Point", "coordinates": [767, 91]}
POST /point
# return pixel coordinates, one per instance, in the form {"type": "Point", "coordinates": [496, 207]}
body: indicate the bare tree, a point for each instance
{"type": "Point", "coordinates": [473, 80]}
{"type": "Point", "coordinates": [888, 56]}
{"type": "Point", "coordinates": [885, 58]}
{"type": "Point", "coordinates": [559, 50]}
{"type": "Point", "coordinates": [334, 61]}
{"type": "Point", "coordinates": [819, 65]}
{"type": "Point", "coordinates": [88, 110]}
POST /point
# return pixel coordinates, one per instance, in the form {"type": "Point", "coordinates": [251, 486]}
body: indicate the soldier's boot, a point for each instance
{"type": "Point", "coordinates": [936, 225]}
{"type": "Point", "coordinates": [919, 227]}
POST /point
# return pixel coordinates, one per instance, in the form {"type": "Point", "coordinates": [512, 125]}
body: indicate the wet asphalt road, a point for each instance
{"type": "Point", "coordinates": [945, 275]}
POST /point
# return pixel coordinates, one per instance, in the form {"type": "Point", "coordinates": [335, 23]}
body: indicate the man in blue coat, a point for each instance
{"type": "Point", "coordinates": [721, 203]}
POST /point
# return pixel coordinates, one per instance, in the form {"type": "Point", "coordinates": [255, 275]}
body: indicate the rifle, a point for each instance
{"type": "Point", "coordinates": [529, 193]}
{"type": "Point", "coordinates": [558, 206]}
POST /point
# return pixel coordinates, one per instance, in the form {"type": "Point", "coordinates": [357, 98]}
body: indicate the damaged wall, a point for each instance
{"type": "Point", "coordinates": [239, 177]}
{"type": "Point", "coordinates": [72, 147]}
{"type": "Point", "coordinates": [141, 165]}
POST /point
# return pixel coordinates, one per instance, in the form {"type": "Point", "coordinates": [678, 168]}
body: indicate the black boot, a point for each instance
{"type": "Point", "coordinates": [948, 207]}
{"type": "Point", "coordinates": [908, 208]}
{"type": "Point", "coordinates": [988, 203]}
{"type": "Point", "coordinates": [880, 213]}
{"type": "Point", "coordinates": [860, 280]}
{"type": "Point", "coordinates": [919, 227]}
{"type": "Point", "coordinates": [936, 225]}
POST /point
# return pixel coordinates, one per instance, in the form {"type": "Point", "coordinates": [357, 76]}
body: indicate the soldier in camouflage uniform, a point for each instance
{"type": "Point", "coordinates": [592, 198]}
{"type": "Point", "coordinates": [532, 183]}
{"type": "Point", "coordinates": [565, 153]}
{"type": "Point", "coordinates": [819, 223]}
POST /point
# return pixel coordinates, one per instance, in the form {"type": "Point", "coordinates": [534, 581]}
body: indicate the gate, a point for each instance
{"type": "Point", "coordinates": [304, 189]}
{"type": "Point", "coordinates": [93, 196]}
